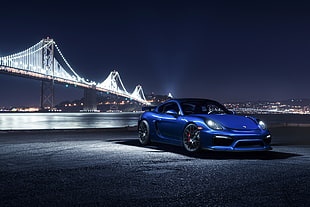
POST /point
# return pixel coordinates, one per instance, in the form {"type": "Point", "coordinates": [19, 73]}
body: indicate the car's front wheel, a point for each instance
{"type": "Point", "coordinates": [144, 133]}
{"type": "Point", "coordinates": [191, 138]}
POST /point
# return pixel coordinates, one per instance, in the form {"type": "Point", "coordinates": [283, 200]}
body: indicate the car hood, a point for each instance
{"type": "Point", "coordinates": [232, 121]}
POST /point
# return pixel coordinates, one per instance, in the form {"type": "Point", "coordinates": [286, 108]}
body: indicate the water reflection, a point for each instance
{"type": "Point", "coordinates": [15, 121]}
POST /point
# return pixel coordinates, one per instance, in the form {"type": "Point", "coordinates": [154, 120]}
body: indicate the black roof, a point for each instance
{"type": "Point", "coordinates": [192, 99]}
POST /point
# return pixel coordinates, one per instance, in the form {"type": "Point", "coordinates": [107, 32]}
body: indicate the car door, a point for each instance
{"type": "Point", "coordinates": [167, 125]}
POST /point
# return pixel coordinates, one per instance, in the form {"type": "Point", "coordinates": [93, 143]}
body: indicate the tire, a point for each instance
{"type": "Point", "coordinates": [144, 133]}
{"type": "Point", "coordinates": [191, 138]}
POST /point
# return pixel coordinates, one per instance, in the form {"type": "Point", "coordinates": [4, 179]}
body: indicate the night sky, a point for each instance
{"type": "Point", "coordinates": [222, 50]}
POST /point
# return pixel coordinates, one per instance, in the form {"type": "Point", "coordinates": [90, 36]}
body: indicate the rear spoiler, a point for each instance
{"type": "Point", "coordinates": [148, 108]}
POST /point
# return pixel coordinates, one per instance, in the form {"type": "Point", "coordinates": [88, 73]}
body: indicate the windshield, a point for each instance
{"type": "Point", "coordinates": [203, 107]}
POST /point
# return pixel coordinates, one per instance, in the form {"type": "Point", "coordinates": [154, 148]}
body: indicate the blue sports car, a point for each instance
{"type": "Point", "coordinates": [202, 124]}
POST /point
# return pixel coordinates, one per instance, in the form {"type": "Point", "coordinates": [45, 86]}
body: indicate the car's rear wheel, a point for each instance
{"type": "Point", "coordinates": [191, 138]}
{"type": "Point", "coordinates": [144, 133]}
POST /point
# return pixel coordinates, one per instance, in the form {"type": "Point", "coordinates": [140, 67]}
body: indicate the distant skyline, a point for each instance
{"type": "Point", "coordinates": [222, 50]}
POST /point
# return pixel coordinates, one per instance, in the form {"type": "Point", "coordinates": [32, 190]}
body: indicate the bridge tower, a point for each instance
{"type": "Point", "coordinates": [47, 87]}
{"type": "Point", "coordinates": [138, 93]}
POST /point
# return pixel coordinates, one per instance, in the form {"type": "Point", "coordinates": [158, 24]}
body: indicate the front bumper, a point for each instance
{"type": "Point", "coordinates": [234, 141]}
{"type": "Point", "coordinates": [242, 145]}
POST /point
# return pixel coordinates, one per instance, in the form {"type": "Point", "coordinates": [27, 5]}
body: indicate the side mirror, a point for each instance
{"type": "Point", "coordinates": [172, 112]}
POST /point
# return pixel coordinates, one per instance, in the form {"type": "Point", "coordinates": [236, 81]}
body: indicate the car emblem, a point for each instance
{"type": "Point", "coordinates": [244, 126]}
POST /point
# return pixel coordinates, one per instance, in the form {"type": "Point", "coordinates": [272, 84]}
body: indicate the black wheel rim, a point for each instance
{"type": "Point", "coordinates": [143, 132]}
{"type": "Point", "coordinates": [191, 138]}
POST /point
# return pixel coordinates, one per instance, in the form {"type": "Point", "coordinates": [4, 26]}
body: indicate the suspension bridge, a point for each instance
{"type": "Point", "coordinates": [44, 61]}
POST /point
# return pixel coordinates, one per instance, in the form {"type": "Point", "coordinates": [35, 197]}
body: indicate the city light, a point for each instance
{"type": "Point", "coordinates": [276, 107]}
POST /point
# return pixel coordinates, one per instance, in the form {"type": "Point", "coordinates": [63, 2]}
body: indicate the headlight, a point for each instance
{"type": "Point", "coordinates": [262, 125]}
{"type": "Point", "coordinates": [214, 125]}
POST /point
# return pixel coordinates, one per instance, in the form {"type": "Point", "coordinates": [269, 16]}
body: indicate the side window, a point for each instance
{"type": "Point", "coordinates": [167, 107]}
{"type": "Point", "coordinates": [161, 109]}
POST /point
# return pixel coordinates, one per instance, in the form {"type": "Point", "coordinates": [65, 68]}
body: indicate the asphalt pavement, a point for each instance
{"type": "Point", "coordinates": [110, 168]}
